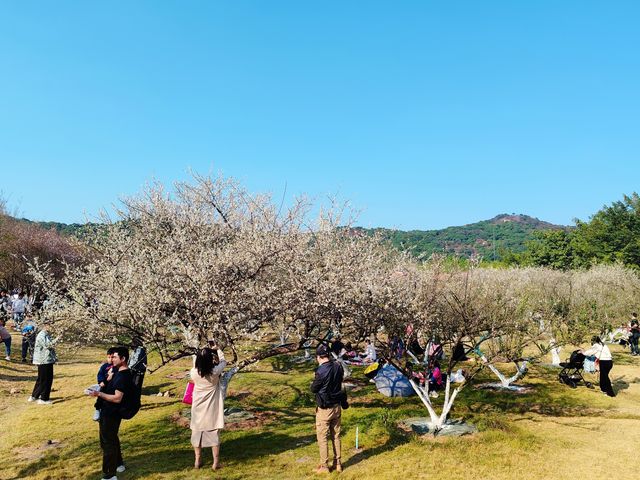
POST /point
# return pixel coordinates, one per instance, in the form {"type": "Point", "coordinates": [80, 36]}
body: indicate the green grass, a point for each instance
{"type": "Point", "coordinates": [551, 432]}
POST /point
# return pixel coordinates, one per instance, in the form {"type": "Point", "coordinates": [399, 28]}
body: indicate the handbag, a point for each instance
{"type": "Point", "coordinates": [188, 394]}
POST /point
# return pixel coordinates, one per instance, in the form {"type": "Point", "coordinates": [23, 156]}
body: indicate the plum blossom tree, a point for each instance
{"type": "Point", "coordinates": [212, 262]}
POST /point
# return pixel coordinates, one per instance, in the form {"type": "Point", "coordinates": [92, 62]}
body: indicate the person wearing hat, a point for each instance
{"type": "Point", "coordinates": [327, 387]}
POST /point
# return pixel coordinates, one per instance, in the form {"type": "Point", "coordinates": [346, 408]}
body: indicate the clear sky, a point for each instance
{"type": "Point", "coordinates": [424, 114]}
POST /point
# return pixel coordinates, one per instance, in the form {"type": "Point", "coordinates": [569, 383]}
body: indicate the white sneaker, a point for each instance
{"type": "Point", "coordinates": [121, 469]}
{"type": "Point", "coordinates": [96, 415]}
{"type": "Point", "coordinates": [7, 358]}
{"type": "Point", "coordinates": [31, 399]}
{"type": "Point", "coordinates": [45, 402]}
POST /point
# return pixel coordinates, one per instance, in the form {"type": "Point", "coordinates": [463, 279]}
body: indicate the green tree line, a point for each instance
{"type": "Point", "coordinates": [611, 235]}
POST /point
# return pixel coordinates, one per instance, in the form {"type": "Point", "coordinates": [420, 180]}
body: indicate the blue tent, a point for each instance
{"type": "Point", "coordinates": [392, 383]}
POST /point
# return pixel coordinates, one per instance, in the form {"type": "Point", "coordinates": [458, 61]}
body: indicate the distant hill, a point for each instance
{"type": "Point", "coordinates": [78, 230]}
{"type": "Point", "coordinates": [488, 238]}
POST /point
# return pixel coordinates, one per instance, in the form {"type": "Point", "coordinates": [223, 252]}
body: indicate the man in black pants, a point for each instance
{"type": "Point", "coordinates": [114, 395]}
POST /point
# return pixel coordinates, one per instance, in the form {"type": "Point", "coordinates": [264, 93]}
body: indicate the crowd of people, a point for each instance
{"type": "Point", "coordinates": [118, 387]}
{"type": "Point", "coordinates": [22, 310]}
{"type": "Point", "coordinates": [627, 334]}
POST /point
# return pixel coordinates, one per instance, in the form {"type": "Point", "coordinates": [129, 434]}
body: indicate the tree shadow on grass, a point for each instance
{"type": "Point", "coordinates": [395, 439]}
{"type": "Point", "coordinates": [154, 389]}
{"type": "Point", "coordinates": [165, 452]}
{"type": "Point", "coordinates": [287, 363]}
{"type": "Point", "coordinates": [10, 366]}
{"type": "Point", "coordinates": [548, 398]}
{"type": "Point", "coordinates": [16, 378]}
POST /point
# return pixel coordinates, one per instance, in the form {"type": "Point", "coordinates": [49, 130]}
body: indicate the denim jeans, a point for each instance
{"type": "Point", "coordinates": [633, 342]}
{"type": "Point", "coordinates": [7, 345]}
{"type": "Point", "coordinates": [17, 318]}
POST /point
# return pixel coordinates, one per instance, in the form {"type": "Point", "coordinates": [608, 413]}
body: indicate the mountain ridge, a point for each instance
{"type": "Point", "coordinates": [490, 239]}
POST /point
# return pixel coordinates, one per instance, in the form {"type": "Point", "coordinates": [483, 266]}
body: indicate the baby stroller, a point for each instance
{"type": "Point", "coordinates": [571, 373]}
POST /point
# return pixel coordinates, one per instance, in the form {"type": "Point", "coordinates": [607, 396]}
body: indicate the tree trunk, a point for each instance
{"type": "Point", "coordinates": [504, 381]}
{"type": "Point", "coordinates": [437, 421]}
{"type": "Point", "coordinates": [555, 353]}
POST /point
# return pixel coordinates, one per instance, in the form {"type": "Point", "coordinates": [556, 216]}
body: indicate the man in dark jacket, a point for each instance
{"type": "Point", "coordinates": [116, 395]}
{"type": "Point", "coordinates": [327, 386]}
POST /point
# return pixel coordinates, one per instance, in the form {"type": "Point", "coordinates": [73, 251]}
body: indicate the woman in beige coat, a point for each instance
{"type": "Point", "coordinates": [207, 407]}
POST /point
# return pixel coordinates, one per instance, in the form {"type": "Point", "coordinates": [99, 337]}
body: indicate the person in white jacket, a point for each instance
{"type": "Point", "coordinates": [605, 360]}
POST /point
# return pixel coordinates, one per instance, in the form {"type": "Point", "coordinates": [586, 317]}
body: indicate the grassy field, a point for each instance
{"type": "Point", "coordinates": [551, 432]}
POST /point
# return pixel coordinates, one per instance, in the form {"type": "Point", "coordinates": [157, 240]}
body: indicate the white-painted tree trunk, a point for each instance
{"type": "Point", "coordinates": [414, 358]}
{"type": "Point", "coordinates": [345, 368]}
{"type": "Point", "coordinates": [225, 378]}
{"type": "Point", "coordinates": [437, 421]}
{"type": "Point", "coordinates": [504, 381]}
{"type": "Point", "coordinates": [555, 353]}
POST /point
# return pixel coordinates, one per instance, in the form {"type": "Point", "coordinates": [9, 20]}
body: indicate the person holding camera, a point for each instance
{"type": "Point", "coordinates": [207, 407]}
{"type": "Point", "coordinates": [330, 400]}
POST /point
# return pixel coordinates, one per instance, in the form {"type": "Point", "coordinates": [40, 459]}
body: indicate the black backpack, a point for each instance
{"type": "Point", "coordinates": [132, 401]}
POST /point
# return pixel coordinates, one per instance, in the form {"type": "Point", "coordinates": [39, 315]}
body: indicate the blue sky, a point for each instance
{"type": "Point", "coordinates": [424, 114]}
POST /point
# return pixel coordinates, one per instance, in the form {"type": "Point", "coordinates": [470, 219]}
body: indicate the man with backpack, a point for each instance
{"type": "Point", "coordinates": [120, 400]}
{"type": "Point", "coordinates": [330, 399]}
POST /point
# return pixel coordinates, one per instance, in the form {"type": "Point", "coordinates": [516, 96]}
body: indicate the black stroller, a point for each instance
{"type": "Point", "coordinates": [571, 373]}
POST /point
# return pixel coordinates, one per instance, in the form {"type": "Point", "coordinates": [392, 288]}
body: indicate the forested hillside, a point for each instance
{"type": "Point", "coordinates": [490, 239]}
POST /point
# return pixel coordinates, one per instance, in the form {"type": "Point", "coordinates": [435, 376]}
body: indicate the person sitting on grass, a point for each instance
{"type": "Point", "coordinates": [435, 377]}
{"type": "Point", "coordinates": [337, 347]}
{"type": "Point", "coordinates": [349, 351]}
{"type": "Point", "coordinates": [369, 355]}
